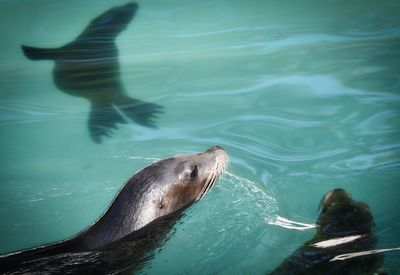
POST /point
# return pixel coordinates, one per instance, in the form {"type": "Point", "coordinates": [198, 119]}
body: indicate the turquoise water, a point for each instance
{"type": "Point", "coordinates": [305, 97]}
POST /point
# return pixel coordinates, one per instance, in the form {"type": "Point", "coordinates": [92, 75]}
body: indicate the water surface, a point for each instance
{"type": "Point", "coordinates": [305, 97]}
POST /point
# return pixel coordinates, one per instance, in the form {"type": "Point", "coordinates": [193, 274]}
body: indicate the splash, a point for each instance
{"type": "Point", "coordinates": [219, 225]}
{"type": "Point", "coordinates": [246, 195]}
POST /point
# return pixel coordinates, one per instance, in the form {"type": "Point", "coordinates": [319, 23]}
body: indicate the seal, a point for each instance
{"type": "Point", "coordinates": [88, 67]}
{"type": "Point", "coordinates": [136, 222]}
{"type": "Point", "coordinates": [344, 226]}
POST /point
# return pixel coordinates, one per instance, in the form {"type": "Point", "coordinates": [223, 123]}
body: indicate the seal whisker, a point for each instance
{"type": "Point", "coordinates": [200, 195]}
{"type": "Point", "coordinates": [205, 186]}
{"type": "Point", "coordinates": [209, 185]}
{"type": "Point", "coordinates": [217, 171]}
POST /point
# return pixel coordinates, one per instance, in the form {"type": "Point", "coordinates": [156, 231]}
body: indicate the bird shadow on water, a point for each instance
{"type": "Point", "coordinates": [88, 67]}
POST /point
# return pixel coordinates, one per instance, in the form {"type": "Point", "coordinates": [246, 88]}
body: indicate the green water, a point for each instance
{"type": "Point", "coordinates": [304, 96]}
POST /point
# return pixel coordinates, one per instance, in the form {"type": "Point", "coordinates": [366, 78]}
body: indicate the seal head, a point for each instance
{"type": "Point", "coordinates": [342, 216]}
{"type": "Point", "coordinates": [136, 222]}
{"type": "Point", "coordinates": [344, 226]}
{"type": "Point", "coordinates": [161, 189]}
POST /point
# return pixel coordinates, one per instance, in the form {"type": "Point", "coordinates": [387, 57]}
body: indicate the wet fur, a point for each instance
{"type": "Point", "coordinates": [135, 224]}
{"type": "Point", "coordinates": [340, 217]}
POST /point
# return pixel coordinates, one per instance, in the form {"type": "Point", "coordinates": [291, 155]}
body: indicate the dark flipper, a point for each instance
{"type": "Point", "coordinates": [102, 120]}
{"type": "Point", "coordinates": [33, 53]}
{"type": "Point", "coordinates": [139, 111]}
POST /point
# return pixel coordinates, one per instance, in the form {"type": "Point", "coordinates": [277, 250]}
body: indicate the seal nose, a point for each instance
{"type": "Point", "coordinates": [340, 192]}
{"type": "Point", "coordinates": [216, 147]}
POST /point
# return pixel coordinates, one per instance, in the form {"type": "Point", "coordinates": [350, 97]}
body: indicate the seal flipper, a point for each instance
{"type": "Point", "coordinates": [33, 53]}
{"type": "Point", "coordinates": [102, 119]}
{"type": "Point", "coordinates": [139, 111]}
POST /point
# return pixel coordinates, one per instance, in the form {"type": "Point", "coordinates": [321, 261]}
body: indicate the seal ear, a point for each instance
{"type": "Point", "coordinates": [195, 172]}
{"type": "Point", "coordinates": [190, 171]}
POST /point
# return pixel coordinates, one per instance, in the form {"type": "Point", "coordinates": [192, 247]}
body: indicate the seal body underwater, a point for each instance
{"type": "Point", "coordinates": [344, 226]}
{"type": "Point", "coordinates": [136, 222]}
{"type": "Point", "coordinates": [88, 67]}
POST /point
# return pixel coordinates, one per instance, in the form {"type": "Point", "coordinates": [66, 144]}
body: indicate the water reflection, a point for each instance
{"type": "Point", "coordinates": [88, 67]}
{"type": "Point", "coordinates": [344, 226]}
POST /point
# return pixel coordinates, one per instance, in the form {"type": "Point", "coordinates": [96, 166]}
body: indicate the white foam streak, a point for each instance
{"type": "Point", "coordinates": [337, 241]}
{"type": "Point", "coordinates": [362, 253]}
{"type": "Point", "coordinates": [289, 224]}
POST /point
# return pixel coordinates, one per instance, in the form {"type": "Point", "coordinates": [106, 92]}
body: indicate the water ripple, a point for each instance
{"type": "Point", "coordinates": [317, 85]}
{"type": "Point", "coordinates": [14, 112]}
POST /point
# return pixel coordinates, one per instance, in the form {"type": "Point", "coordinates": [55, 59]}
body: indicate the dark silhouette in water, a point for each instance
{"type": "Point", "coordinates": [340, 217]}
{"type": "Point", "coordinates": [88, 67]}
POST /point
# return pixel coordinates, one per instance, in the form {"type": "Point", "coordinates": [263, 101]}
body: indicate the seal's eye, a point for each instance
{"type": "Point", "coordinates": [194, 172]}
